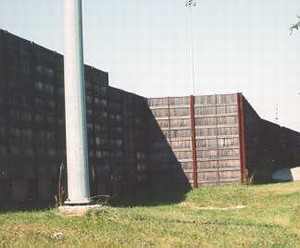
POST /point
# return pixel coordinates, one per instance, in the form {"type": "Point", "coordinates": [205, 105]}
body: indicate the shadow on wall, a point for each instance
{"type": "Point", "coordinates": [167, 183]}
{"type": "Point", "coordinates": [269, 146]}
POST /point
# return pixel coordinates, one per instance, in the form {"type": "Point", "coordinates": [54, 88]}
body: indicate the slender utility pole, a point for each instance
{"type": "Point", "coordinates": [277, 114]}
{"type": "Point", "coordinates": [190, 4]}
{"type": "Point", "coordinates": [76, 135]}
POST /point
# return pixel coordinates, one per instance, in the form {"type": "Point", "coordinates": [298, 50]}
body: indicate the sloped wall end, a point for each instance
{"type": "Point", "coordinates": [287, 174]}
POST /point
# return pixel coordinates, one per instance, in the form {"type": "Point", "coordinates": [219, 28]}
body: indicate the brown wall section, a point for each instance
{"type": "Point", "coordinates": [170, 144]}
{"type": "Point", "coordinates": [242, 135]}
{"type": "Point", "coordinates": [217, 139]}
{"type": "Point", "coordinates": [202, 131]}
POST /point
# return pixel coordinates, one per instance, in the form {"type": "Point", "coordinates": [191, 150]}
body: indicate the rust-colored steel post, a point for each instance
{"type": "Point", "coordinates": [194, 152]}
{"type": "Point", "coordinates": [242, 136]}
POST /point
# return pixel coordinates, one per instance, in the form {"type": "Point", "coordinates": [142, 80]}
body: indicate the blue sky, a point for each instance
{"type": "Point", "coordinates": [239, 45]}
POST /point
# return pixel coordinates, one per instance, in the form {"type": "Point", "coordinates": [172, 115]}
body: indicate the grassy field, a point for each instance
{"type": "Point", "coordinates": [267, 216]}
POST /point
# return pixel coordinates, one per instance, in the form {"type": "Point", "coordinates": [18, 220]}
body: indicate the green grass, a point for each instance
{"type": "Point", "coordinates": [271, 218]}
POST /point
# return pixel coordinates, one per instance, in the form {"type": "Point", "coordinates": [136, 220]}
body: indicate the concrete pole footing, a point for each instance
{"type": "Point", "coordinates": [79, 210]}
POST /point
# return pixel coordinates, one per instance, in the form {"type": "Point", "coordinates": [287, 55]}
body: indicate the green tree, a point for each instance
{"type": "Point", "coordinates": [295, 25]}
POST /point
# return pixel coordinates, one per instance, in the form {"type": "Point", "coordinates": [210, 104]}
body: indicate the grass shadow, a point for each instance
{"type": "Point", "coordinates": [149, 199]}
{"type": "Point", "coordinates": [26, 206]}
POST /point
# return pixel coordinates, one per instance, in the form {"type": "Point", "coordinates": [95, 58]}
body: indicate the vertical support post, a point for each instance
{"type": "Point", "coordinates": [242, 136]}
{"type": "Point", "coordinates": [194, 152]}
{"type": "Point", "coordinates": [75, 108]}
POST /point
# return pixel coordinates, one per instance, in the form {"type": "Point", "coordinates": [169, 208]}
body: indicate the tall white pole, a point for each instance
{"type": "Point", "coordinates": [75, 109]}
{"type": "Point", "coordinates": [190, 4]}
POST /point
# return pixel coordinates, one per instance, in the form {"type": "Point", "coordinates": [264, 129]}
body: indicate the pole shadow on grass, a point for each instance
{"type": "Point", "coordinates": [28, 206]}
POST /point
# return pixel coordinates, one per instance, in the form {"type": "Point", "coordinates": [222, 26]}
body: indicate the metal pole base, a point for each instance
{"type": "Point", "coordinates": [79, 203]}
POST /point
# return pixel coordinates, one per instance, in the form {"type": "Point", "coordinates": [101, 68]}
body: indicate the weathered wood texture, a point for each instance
{"type": "Point", "coordinates": [169, 140]}
{"type": "Point", "coordinates": [216, 136]}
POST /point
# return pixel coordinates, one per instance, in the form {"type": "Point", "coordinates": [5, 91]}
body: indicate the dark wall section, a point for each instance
{"type": "Point", "coordinates": [268, 146]}
{"type": "Point", "coordinates": [252, 132]}
{"type": "Point", "coordinates": [128, 141]}
{"type": "Point", "coordinates": [279, 148]}
{"type": "Point", "coordinates": [166, 170]}
{"type": "Point", "coordinates": [32, 127]}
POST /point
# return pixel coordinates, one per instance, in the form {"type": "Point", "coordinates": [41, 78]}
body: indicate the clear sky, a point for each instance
{"type": "Point", "coordinates": [239, 45]}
